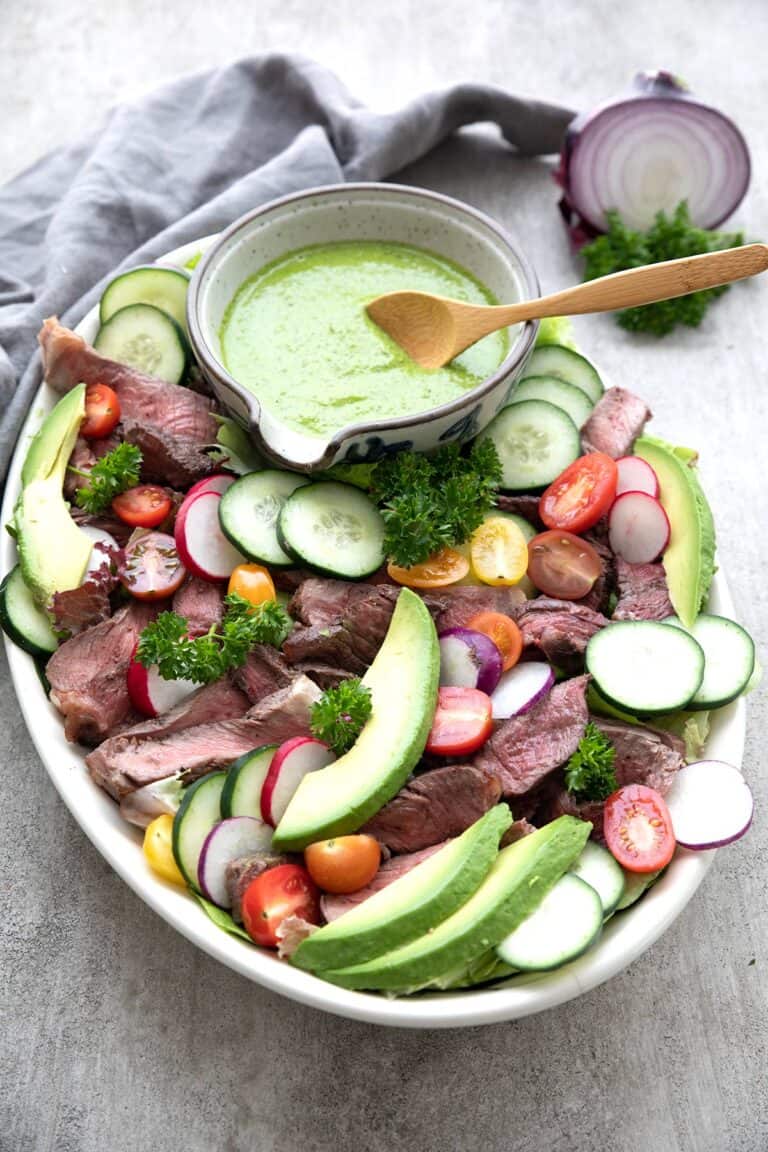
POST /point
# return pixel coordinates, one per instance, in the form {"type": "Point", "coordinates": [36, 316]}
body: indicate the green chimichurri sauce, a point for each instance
{"type": "Point", "coordinates": [297, 335]}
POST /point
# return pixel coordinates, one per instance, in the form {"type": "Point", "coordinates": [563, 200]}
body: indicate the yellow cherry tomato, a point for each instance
{"type": "Point", "coordinates": [253, 582]}
{"type": "Point", "coordinates": [158, 851]}
{"type": "Point", "coordinates": [498, 551]}
{"type": "Point", "coordinates": [446, 567]}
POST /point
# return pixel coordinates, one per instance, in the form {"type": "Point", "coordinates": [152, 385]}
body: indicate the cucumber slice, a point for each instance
{"type": "Point", "coordinates": [535, 442]}
{"type": "Point", "coordinates": [147, 339]}
{"type": "Point", "coordinates": [22, 619]}
{"type": "Point", "coordinates": [729, 659]}
{"type": "Point", "coordinates": [164, 288]}
{"type": "Point", "coordinates": [598, 868]}
{"type": "Point", "coordinates": [241, 795]}
{"type": "Point", "coordinates": [555, 391]}
{"type": "Point", "coordinates": [554, 360]}
{"type": "Point", "coordinates": [563, 926]}
{"type": "Point", "coordinates": [334, 528]}
{"type": "Point", "coordinates": [644, 666]}
{"type": "Point", "coordinates": [198, 813]}
{"type": "Point", "coordinates": [249, 510]}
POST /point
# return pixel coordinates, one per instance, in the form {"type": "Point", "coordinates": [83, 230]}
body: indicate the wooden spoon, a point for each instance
{"type": "Point", "coordinates": [434, 329]}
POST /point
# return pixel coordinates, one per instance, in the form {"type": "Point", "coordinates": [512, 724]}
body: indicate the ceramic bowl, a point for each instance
{"type": "Point", "coordinates": [360, 212]}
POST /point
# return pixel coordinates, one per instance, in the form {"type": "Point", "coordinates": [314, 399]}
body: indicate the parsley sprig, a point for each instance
{"type": "Point", "coordinates": [339, 716]}
{"type": "Point", "coordinates": [430, 502]}
{"type": "Point", "coordinates": [669, 238]}
{"type": "Point", "coordinates": [206, 658]}
{"type": "Point", "coordinates": [590, 772]}
{"type": "Point", "coordinates": [111, 475]}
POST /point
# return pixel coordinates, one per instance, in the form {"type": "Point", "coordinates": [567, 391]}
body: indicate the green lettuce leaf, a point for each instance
{"type": "Point", "coordinates": [221, 918]}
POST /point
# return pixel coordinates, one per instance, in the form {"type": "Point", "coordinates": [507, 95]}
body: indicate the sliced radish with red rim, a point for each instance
{"type": "Point", "coordinates": [218, 483]}
{"type": "Point", "coordinates": [636, 475]}
{"type": "Point", "coordinates": [152, 695]}
{"type": "Point", "coordinates": [638, 528]}
{"type": "Point", "coordinates": [105, 548]}
{"type": "Point", "coordinates": [238, 836]}
{"type": "Point", "coordinates": [203, 548]}
{"type": "Point", "coordinates": [710, 804]}
{"type": "Point", "coordinates": [521, 688]}
{"type": "Point", "coordinates": [290, 764]}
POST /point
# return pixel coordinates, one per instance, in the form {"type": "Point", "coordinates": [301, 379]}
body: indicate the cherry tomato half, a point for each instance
{"type": "Point", "coordinates": [462, 722]}
{"type": "Point", "coordinates": [287, 890]}
{"type": "Point", "coordinates": [446, 567]}
{"type": "Point", "coordinates": [504, 633]}
{"type": "Point", "coordinates": [102, 412]}
{"type": "Point", "coordinates": [581, 494]}
{"type": "Point", "coordinates": [343, 864]}
{"type": "Point", "coordinates": [145, 506]}
{"type": "Point", "coordinates": [253, 582]}
{"type": "Point", "coordinates": [562, 565]}
{"type": "Point", "coordinates": [638, 829]}
{"type": "Point", "coordinates": [158, 851]}
{"type": "Point", "coordinates": [498, 551]}
{"type": "Point", "coordinates": [152, 569]}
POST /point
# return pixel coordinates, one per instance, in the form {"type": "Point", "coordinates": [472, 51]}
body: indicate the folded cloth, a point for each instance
{"type": "Point", "coordinates": [189, 159]}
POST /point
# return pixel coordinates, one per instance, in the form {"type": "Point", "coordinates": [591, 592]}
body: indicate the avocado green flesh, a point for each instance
{"type": "Point", "coordinates": [412, 905]}
{"type": "Point", "coordinates": [689, 557]}
{"type": "Point", "coordinates": [297, 335]}
{"type": "Point", "coordinates": [521, 876]}
{"type": "Point", "coordinates": [403, 684]}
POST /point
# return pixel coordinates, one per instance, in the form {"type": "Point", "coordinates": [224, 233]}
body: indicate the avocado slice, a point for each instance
{"type": "Point", "coordinates": [53, 551]}
{"type": "Point", "coordinates": [519, 880]}
{"type": "Point", "coordinates": [403, 682]}
{"type": "Point", "coordinates": [412, 905]}
{"type": "Point", "coordinates": [689, 559]}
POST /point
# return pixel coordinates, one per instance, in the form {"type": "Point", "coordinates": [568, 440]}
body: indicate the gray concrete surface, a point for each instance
{"type": "Point", "coordinates": [116, 1034]}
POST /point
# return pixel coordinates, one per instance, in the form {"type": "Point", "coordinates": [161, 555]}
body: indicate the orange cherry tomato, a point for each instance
{"type": "Point", "coordinates": [145, 506]}
{"type": "Point", "coordinates": [462, 722]}
{"type": "Point", "coordinates": [102, 412]}
{"type": "Point", "coordinates": [446, 567]}
{"type": "Point", "coordinates": [504, 633]}
{"type": "Point", "coordinates": [580, 495]}
{"type": "Point", "coordinates": [253, 582]}
{"type": "Point", "coordinates": [638, 829]}
{"type": "Point", "coordinates": [563, 565]}
{"type": "Point", "coordinates": [287, 890]}
{"type": "Point", "coordinates": [344, 863]}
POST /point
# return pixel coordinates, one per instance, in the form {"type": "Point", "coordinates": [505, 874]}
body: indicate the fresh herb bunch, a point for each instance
{"type": "Point", "coordinates": [111, 475]}
{"type": "Point", "coordinates": [339, 716]}
{"type": "Point", "coordinates": [203, 659]}
{"type": "Point", "coordinates": [670, 238]}
{"type": "Point", "coordinates": [430, 502]}
{"type": "Point", "coordinates": [590, 772]}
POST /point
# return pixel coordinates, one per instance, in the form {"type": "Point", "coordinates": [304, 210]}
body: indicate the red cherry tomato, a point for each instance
{"type": "Point", "coordinates": [462, 722]}
{"type": "Point", "coordinates": [145, 506]}
{"type": "Point", "coordinates": [287, 890]}
{"type": "Point", "coordinates": [151, 569]}
{"type": "Point", "coordinates": [638, 829]}
{"type": "Point", "coordinates": [563, 565]}
{"type": "Point", "coordinates": [580, 495]}
{"type": "Point", "coordinates": [102, 412]}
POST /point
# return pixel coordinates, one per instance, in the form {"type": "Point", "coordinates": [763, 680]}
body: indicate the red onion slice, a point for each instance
{"type": "Point", "coordinates": [469, 659]}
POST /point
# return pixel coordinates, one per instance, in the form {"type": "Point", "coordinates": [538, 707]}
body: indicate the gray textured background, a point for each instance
{"type": "Point", "coordinates": [115, 1032]}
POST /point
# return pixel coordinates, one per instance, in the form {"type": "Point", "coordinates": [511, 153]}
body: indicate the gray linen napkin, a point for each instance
{"type": "Point", "coordinates": [188, 160]}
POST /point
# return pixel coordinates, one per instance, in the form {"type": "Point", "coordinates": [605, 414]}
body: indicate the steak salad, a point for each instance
{"type": "Point", "coordinates": [420, 724]}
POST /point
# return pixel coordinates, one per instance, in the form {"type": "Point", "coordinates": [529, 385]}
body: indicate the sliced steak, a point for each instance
{"type": "Point", "coordinates": [434, 807]}
{"type": "Point", "coordinates": [516, 832]}
{"type": "Point", "coordinates": [334, 906]}
{"type": "Point", "coordinates": [560, 629]}
{"type": "Point", "coordinates": [525, 749]}
{"type": "Point", "coordinates": [643, 593]}
{"type": "Point", "coordinates": [87, 674]}
{"type": "Point", "coordinates": [615, 422]}
{"type": "Point", "coordinates": [239, 874]}
{"type": "Point", "coordinates": [104, 521]}
{"type": "Point", "coordinates": [200, 603]}
{"type": "Point", "coordinates": [265, 670]}
{"type": "Point", "coordinates": [525, 506]}
{"type": "Point", "coordinates": [129, 762]}
{"type": "Point", "coordinates": [167, 458]}
{"type": "Point", "coordinates": [461, 604]}
{"type": "Point", "coordinates": [599, 596]}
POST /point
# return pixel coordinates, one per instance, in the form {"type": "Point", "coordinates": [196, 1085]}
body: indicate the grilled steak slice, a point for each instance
{"type": "Point", "coordinates": [326, 675]}
{"type": "Point", "coordinates": [643, 593]}
{"type": "Point", "coordinates": [434, 807]}
{"type": "Point", "coordinates": [131, 761]}
{"type": "Point", "coordinates": [615, 422]}
{"type": "Point", "coordinates": [68, 360]}
{"type": "Point", "coordinates": [525, 749]}
{"type": "Point", "coordinates": [167, 458]}
{"type": "Point", "coordinates": [105, 521]}
{"type": "Point", "coordinates": [461, 604]}
{"type": "Point", "coordinates": [599, 596]}
{"type": "Point", "coordinates": [87, 674]}
{"type": "Point", "coordinates": [525, 506]}
{"type": "Point", "coordinates": [334, 906]}
{"type": "Point", "coordinates": [239, 874]}
{"type": "Point", "coordinates": [560, 629]}
{"type": "Point", "coordinates": [200, 603]}
{"type": "Point", "coordinates": [264, 671]}
{"type": "Point", "coordinates": [516, 832]}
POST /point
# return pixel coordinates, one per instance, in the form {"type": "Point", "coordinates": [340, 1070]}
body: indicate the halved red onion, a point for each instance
{"type": "Point", "coordinates": [469, 659]}
{"type": "Point", "coordinates": [521, 688]}
{"type": "Point", "coordinates": [645, 152]}
{"type": "Point", "coordinates": [710, 804]}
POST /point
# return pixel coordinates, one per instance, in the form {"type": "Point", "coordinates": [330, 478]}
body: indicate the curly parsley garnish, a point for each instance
{"type": "Point", "coordinates": [111, 475]}
{"type": "Point", "coordinates": [590, 774]}
{"type": "Point", "coordinates": [340, 714]}
{"type": "Point", "coordinates": [203, 659]}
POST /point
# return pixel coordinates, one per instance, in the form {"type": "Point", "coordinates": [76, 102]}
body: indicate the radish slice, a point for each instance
{"type": "Point", "coordinates": [238, 836]}
{"type": "Point", "coordinates": [638, 528]}
{"type": "Point", "coordinates": [521, 688]}
{"type": "Point", "coordinates": [469, 659]}
{"type": "Point", "coordinates": [218, 483]}
{"type": "Point", "coordinates": [710, 804]}
{"type": "Point", "coordinates": [152, 695]}
{"type": "Point", "coordinates": [104, 548]}
{"type": "Point", "coordinates": [636, 475]}
{"type": "Point", "coordinates": [202, 546]}
{"type": "Point", "coordinates": [290, 764]}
